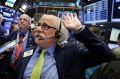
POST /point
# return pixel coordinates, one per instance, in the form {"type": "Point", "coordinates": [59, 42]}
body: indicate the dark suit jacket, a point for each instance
{"type": "Point", "coordinates": [13, 36]}
{"type": "Point", "coordinates": [72, 60]}
{"type": "Point", "coordinates": [30, 40]}
{"type": "Point", "coordinates": [2, 35]}
{"type": "Point", "coordinates": [109, 70]}
{"type": "Point", "coordinates": [4, 66]}
{"type": "Point", "coordinates": [2, 30]}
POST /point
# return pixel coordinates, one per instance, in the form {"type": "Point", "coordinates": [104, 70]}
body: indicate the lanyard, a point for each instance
{"type": "Point", "coordinates": [18, 37]}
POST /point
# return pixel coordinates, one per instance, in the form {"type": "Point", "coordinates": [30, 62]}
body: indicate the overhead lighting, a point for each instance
{"type": "Point", "coordinates": [24, 7]}
{"type": "Point", "coordinates": [21, 10]}
{"type": "Point", "coordinates": [101, 25]}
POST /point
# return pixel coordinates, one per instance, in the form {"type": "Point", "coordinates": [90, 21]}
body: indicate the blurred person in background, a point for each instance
{"type": "Point", "coordinates": [110, 70]}
{"type": "Point", "coordinates": [33, 28]}
{"type": "Point", "coordinates": [14, 28]}
{"type": "Point", "coordinates": [97, 32]}
{"type": "Point", "coordinates": [2, 30]}
{"type": "Point", "coordinates": [95, 29]}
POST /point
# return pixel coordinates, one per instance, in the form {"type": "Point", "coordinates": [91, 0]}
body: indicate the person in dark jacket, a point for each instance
{"type": "Point", "coordinates": [2, 31]}
{"type": "Point", "coordinates": [24, 39]}
{"type": "Point", "coordinates": [109, 70]}
{"type": "Point", "coordinates": [67, 61]}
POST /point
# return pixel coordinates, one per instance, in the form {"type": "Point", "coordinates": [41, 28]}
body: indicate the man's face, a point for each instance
{"type": "Point", "coordinates": [45, 34]}
{"type": "Point", "coordinates": [24, 22]}
{"type": "Point", "coordinates": [118, 41]}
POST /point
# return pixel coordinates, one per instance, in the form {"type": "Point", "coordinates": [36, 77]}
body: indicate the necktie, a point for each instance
{"type": "Point", "coordinates": [36, 72]}
{"type": "Point", "coordinates": [19, 48]}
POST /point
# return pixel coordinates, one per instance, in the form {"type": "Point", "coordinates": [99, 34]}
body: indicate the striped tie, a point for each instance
{"type": "Point", "coordinates": [36, 72]}
{"type": "Point", "coordinates": [19, 48]}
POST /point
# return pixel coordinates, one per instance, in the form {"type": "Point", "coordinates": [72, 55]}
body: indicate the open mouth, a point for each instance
{"type": "Point", "coordinates": [40, 36]}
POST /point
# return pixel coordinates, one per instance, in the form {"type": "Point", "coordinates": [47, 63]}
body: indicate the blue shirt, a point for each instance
{"type": "Point", "coordinates": [24, 43]}
{"type": "Point", "coordinates": [49, 70]}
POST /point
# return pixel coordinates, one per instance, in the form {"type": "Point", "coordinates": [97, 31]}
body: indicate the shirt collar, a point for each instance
{"type": "Point", "coordinates": [50, 50]}
{"type": "Point", "coordinates": [20, 32]}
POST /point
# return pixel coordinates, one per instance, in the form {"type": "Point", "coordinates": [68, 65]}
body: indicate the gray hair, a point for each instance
{"type": "Point", "coordinates": [63, 32]}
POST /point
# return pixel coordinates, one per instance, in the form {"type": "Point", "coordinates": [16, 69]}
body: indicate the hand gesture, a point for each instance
{"type": "Point", "coordinates": [71, 22]}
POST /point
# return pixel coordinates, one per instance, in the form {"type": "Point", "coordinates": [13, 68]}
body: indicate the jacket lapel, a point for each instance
{"type": "Point", "coordinates": [59, 57]}
{"type": "Point", "coordinates": [30, 40]}
{"type": "Point", "coordinates": [22, 62]}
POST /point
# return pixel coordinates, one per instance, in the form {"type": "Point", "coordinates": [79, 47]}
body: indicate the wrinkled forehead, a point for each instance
{"type": "Point", "coordinates": [24, 16]}
{"type": "Point", "coordinates": [50, 20]}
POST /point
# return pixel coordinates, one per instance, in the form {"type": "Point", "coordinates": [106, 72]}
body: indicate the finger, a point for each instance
{"type": "Point", "coordinates": [64, 23]}
{"type": "Point", "coordinates": [71, 16]}
{"type": "Point", "coordinates": [68, 17]}
{"type": "Point", "coordinates": [75, 15]}
{"type": "Point", "coordinates": [65, 19]}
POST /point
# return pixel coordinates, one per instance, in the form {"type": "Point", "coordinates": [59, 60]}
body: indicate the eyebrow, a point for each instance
{"type": "Point", "coordinates": [46, 24]}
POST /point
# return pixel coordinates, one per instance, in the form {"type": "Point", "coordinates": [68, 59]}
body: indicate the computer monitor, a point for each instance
{"type": "Point", "coordinates": [24, 7]}
{"type": "Point", "coordinates": [7, 24]}
{"type": "Point", "coordinates": [115, 17]}
{"type": "Point", "coordinates": [114, 35]}
{"type": "Point", "coordinates": [96, 12]}
{"type": "Point", "coordinates": [113, 38]}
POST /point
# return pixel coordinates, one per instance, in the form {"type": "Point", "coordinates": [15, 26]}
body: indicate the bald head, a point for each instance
{"type": "Point", "coordinates": [27, 17]}
{"type": "Point", "coordinates": [24, 22]}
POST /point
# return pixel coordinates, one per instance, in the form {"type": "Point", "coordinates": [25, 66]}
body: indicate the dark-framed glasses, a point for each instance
{"type": "Point", "coordinates": [45, 26]}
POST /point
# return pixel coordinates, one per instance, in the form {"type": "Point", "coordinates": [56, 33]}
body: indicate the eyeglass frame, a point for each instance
{"type": "Point", "coordinates": [44, 26]}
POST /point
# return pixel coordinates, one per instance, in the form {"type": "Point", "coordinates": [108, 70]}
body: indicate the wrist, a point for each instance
{"type": "Point", "coordinates": [80, 28]}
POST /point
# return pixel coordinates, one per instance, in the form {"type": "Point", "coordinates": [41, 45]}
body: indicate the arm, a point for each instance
{"type": "Point", "coordinates": [98, 51]}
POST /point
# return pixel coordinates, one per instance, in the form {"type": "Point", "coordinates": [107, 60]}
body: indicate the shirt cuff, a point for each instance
{"type": "Point", "coordinates": [81, 29]}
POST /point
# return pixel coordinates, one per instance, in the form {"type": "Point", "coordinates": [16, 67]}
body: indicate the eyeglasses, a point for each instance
{"type": "Point", "coordinates": [44, 26]}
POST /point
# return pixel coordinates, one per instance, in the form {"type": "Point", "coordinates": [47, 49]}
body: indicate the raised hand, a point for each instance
{"type": "Point", "coordinates": [71, 22]}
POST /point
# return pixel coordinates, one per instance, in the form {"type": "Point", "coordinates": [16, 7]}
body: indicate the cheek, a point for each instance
{"type": "Point", "coordinates": [50, 34]}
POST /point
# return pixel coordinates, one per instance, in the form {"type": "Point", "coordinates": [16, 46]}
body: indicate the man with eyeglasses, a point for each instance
{"type": "Point", "coordinates": [61, 59]}
{"type": "Point", "coordinates": [24, 39]}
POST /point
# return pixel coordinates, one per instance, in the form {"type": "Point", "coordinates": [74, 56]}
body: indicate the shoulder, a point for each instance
{"type": "Point", "coordinates": [11, 36]}
{"type": "Point", "coordinates": [116, 52]}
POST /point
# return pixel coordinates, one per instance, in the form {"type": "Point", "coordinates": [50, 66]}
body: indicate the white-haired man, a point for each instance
{"type": "Point", "coordinates": [61, 62]}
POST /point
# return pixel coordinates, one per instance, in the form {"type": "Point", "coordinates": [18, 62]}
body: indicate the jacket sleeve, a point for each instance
{"type": "Point", "coordinates": [97, 51]}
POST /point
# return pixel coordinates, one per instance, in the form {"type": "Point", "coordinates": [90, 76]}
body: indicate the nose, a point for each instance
{"type": "Point", "coordinates": [21, 20]}
{"type": "Point", "coordinates": [39, 29]}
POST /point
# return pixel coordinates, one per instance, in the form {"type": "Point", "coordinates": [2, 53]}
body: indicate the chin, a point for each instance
{"type": "Point", "coordinates": [39, 42]}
